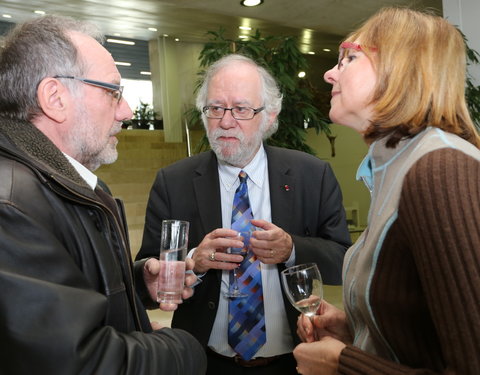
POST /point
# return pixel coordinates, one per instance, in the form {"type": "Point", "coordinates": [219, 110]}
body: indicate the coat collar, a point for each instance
{"type": "Point", "coordinates": [26, 143]}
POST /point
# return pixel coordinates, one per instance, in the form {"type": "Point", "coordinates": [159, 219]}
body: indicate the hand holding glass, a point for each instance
{"type": "Point", "coordinates": [303, 286]}
{"type": "Point", "coordinates": [173, 250]}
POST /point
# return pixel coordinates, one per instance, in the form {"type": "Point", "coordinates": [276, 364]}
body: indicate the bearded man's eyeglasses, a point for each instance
{"type": "Point", "coordinates": [238, 113]}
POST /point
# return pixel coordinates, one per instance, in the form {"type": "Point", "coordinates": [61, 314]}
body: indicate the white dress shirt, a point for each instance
{"type": "Point", "coordinates": [279, 339]}
{"type": "Point", "coordinates": [90, 178]}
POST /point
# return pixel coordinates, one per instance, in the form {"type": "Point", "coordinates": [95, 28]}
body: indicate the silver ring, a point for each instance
{"type": "Point", "coordinates": [212, 256]}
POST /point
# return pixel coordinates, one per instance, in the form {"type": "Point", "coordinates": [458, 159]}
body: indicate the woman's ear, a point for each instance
{"type": "Point", "coordinates": [53, 98]}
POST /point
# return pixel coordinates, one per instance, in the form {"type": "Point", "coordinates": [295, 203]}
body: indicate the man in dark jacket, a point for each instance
{"type": "Point", "coordinates": [296, 204]}
{"type": "Point", "coordinates": [68, 302]}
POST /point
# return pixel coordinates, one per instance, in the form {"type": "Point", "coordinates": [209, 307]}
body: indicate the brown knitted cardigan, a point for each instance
{"type": "Point", "coordinates": [425, 293]}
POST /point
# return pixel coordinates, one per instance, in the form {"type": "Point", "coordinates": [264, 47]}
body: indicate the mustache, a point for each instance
{"type": "Point", "coordinates": [117, 127]}
{"type": "Point", "coordinates": [231, 133]}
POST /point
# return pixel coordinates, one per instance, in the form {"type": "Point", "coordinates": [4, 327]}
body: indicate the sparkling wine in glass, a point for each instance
{"type": "Point", "coordinates": [303, 286]}
{"type": "Point", "coordinates": [234, 290]}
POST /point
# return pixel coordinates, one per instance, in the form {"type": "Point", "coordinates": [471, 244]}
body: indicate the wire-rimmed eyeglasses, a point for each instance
{"type": "Point", "coordinates": [115, 90]}
{"type": "Point", "coordinates": [238, 112]}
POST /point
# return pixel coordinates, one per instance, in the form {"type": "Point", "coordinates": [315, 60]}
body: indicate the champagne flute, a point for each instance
{"type": "Point", "coordinates": [233, 287]}
{"type": "Point", "coordinates": [303, 286]}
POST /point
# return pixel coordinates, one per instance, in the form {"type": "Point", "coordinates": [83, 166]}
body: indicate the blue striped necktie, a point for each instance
{"type": "Point", "coordinates": [246, 316]}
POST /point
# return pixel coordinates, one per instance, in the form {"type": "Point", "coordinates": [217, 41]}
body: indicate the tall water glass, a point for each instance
{"type": "Point", "coordinates": [173, 250]}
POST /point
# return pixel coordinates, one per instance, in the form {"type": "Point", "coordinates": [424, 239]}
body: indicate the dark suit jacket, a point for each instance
{"type": "Point", "coordinates": [306, 202]}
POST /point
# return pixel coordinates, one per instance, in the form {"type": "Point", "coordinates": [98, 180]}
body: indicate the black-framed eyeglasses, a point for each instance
{"type": "Point", "coordinates": [115, 90]}
{"type": "Point", "coordinates": [238, 112]}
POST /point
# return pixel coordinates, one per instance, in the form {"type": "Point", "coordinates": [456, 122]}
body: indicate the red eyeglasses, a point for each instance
{"type": "Point", "coordinates": [345, 46]}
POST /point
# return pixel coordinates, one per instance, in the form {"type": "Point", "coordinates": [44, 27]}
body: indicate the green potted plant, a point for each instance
{"type": "Point", "coordinates": [143, 117]}
{"type": "Point", "coordinates": [472, 92]}
{"type": "Point", "coordinates": [282, 57]}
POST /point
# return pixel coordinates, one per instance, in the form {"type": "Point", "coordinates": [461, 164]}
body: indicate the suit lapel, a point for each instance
{"type": "Point", "coordinates": [282, 189]}
{"type": "Point", "coordinates": [207, 193]}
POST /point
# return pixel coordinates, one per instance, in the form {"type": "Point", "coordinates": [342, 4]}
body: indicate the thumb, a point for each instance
{"type": "Point", "coordinates": [263, 224]}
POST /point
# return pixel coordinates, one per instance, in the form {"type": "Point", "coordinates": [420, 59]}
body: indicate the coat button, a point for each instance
{"type": "Point", "coordinates": [211, 305]}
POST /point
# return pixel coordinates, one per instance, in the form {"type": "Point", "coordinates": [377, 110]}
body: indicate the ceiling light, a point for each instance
{"type": "Point", "coordinates": [311, 53]}
{"type": "Point", "coordinates": [243, 36]}
{"type": "Point", "coordinates": [177, 40]}
{"type": "Point", "coordinates": [39, 12]}
{"type": "Point", "coordinates": [244, 28]}
{"type": "Point", "coordinates": [152, 29]}
{"type": "Point", "coordinates": [326, 49]}
{"type": "Point", "coordinates": [251, 3]}
{"type": "Point", "coordinates": [146, 73]}
{"type": "Point", "coordinates": [123, 63]}
{"type": "Point", "coordinates": [301, 75]}
{"type": "Point", "coordinates": [6, 16]}
{"type": "Point", "coordinates": [165, 35]}
{"type": "Point", "coordinates": [119, 41]}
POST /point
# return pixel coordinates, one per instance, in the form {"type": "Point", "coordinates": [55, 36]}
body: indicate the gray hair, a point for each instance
{"type": "Point", "coordinates": [35, 50]}
{"type": "Point", "coordinates": [271, 96]}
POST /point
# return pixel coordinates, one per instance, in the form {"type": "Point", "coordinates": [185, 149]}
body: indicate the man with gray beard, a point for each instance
{"type": "Point", "coordinates": [294, 205]}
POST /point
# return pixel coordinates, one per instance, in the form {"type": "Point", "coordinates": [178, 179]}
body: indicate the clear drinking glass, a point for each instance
{"type": "Point", "coordinates": [233, 287]}
{"type": "Point", "coordinates": [304, 288]}
{"type": "Point", "coordinates": [173, 250]}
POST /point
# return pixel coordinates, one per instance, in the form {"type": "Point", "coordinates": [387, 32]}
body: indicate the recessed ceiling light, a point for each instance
{"type": "Point", "coordinates": [177, 40]}
{"type": "Point", "coordinates": [119, 41]}
{"type": "Point", "coordinates": [6, 16]}
{"type": "Point", "coordinates": [326, 49]}
{"type": "Point", "coordinates": [146, 73]}
{"type": "Point", "coordinates": [165, 35]}
{"type": "Point", "coordinates": [243, 36]}
{"type": "Point", "coordinates": [152, 29]}
{"type": "Point", "coordinates": [244, 28]}
{"type": "Point", "coordinates": [301, 75]}
{"type": "Point", "coordinates": [251, 3]}
{"type": "Point", "coordinates": [39, 12]}
{"type": "Point", "coordinates": [311, 53]}
{"type": "Point", "coordinates": [123, 63]}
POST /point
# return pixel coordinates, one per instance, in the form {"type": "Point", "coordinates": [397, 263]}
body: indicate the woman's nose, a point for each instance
{"type": "Point", "coordinates": [330, 76]}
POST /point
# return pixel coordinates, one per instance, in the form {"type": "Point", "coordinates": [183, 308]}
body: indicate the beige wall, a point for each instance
{"type": "Point", "coordinates": [350, 149]}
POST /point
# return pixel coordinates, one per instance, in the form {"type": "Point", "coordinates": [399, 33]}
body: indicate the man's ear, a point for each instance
{"type": "Point", "coordinates": [271, 119]}
{"type": "Point", "coordinates": [53, 99]}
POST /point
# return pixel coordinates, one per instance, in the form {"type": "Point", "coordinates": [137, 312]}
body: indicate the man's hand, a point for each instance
{"type": "Point", "coordinates": [272, 244]}
{"type": "Point", "coordinates": [211, 253]}
{"type": "Point", "coordinates": [150, 276]}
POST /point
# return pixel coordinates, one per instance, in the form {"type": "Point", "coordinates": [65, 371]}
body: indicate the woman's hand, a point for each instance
{"type": "Point", "coordinates": [318, 357]}
{"type": "Point", "coordinates": [329, 321]}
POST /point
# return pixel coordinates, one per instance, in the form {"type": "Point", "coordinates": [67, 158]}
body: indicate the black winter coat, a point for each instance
{"type": "Point", "coordinates": [68, 303]}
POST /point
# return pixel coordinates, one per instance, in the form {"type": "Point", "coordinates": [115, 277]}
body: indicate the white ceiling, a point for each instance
{"type": "Point", "coordinates": [318, 24]}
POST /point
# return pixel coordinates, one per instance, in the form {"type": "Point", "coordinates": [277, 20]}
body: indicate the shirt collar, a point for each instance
{"type": "Point", "coordinates": [84, 172]}
{"type": "Point", "coordinates": [255, 170]}
{"type": "Point", "coordinates": [365, 172]}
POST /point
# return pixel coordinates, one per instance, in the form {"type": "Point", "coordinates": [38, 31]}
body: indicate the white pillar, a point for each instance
{"type": "Point", "coordinates": [466, 14]}
{"type": "Point", "coordinates": [166, 88]}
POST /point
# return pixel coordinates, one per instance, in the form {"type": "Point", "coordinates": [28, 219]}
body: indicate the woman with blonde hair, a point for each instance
{"type": "Point", "coordinates": [412, 280]}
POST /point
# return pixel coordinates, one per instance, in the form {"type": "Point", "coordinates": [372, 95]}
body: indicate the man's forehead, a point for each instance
{"type": "Point", "coordinates": [94, 55]}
